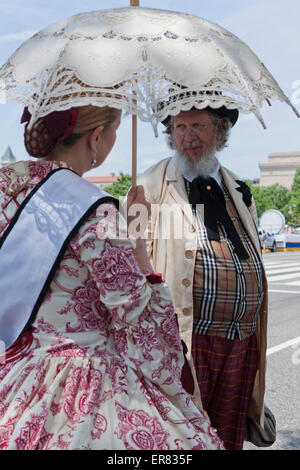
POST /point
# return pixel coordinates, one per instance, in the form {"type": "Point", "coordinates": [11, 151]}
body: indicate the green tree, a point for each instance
{"type": "Point", "coordinates": [271, 197]}
{"type": "Point", "coordinates": [295, 200]}
{"type": "Point", "coordinates": [119, 188]}
{"type": "Point", "coordinates": [280, 198]}
{"type": "Point", "coordinates": [262, 199]}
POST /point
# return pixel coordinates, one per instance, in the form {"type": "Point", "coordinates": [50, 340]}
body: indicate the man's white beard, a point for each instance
{"type": "Point", "coordinates": [204, 167]}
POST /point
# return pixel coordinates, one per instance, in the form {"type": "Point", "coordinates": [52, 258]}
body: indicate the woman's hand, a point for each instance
{"type": "Point", "coordinates": [138, 211]}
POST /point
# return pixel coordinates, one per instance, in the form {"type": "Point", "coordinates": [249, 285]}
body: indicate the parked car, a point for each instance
{"type": "Point", "coordinates": [267, 240]}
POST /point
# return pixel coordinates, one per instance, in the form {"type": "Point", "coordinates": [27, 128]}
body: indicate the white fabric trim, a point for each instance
{"type": "Point", "coordinates": [31, 247]}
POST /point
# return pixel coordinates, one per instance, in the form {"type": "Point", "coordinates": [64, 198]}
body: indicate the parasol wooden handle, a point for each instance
{"type": "Point", "coordinates": [134, 3]}
{"type": "Point", "coordinates": [134, 150]}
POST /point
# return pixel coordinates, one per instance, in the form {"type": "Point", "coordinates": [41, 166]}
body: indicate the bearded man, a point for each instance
{"type": "Point", "coordinates": [214, 269]}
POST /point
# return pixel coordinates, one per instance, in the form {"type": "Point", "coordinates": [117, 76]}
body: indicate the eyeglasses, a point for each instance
{"type": "Point", "coordinates": [196, 128]}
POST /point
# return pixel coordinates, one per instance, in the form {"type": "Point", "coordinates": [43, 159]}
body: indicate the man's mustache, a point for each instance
{"type": "Point", "coordinates": [188, 145]}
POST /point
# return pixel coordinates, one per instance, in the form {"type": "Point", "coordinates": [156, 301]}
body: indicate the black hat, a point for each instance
{"type": "Point", "coordinates": [222, 111]}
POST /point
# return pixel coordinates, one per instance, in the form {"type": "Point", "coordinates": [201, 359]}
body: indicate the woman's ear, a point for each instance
{"type": "Point", "coordinates": [95, 137]}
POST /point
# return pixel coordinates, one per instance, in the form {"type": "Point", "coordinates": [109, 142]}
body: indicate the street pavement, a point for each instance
{"type": "Point", "coordinates": [283, 354]}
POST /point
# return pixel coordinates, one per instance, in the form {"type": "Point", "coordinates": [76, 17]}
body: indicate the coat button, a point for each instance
{"type": "Point", "coordinates": [186, 282]}
{"type": "Point", "coordinates": [185, 311]}
{"type": "Point", "coordinates": [189, 254]}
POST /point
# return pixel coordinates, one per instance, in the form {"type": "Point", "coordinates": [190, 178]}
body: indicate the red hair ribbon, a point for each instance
{"type": "Point", "coordinates": [60, 124]}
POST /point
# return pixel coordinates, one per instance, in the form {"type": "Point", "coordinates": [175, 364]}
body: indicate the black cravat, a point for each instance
{"type": "Point", "coordinates": [208, 192]}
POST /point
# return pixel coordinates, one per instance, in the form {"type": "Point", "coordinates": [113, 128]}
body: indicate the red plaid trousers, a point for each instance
{"type": "Point", "coordinates": [226, 371]}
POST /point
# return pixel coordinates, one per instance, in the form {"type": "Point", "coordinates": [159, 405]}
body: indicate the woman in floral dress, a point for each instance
{"type": "Point", "coordinates": [100, 365]}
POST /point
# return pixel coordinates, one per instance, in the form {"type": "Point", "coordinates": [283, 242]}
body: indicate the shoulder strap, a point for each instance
{"type": "Point", "coordinates": [35, 241]}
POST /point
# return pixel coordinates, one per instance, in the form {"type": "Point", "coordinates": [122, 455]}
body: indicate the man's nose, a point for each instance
{"type": "Point", "coordinates": [190, 134]}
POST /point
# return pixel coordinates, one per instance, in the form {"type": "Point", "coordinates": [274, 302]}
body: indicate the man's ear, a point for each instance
{"type": "Point", "coordinates": [219, 128]}
{"type": "Point", "coordinates": [95, 137]}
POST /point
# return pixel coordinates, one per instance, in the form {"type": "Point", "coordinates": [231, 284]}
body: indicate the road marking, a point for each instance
{"type": "Point", "coordinates": [283, 270]}
{"type": "Point", "coordinates": [284, 291]}
{"type": "Point", "coordinates": [283, 277]}
{"type": "Point", "coordinates": [281, 346]}
{"type": "Point", "coordinates": [278, 265]}
{"type": "Point", "coordinates": [295, 283]}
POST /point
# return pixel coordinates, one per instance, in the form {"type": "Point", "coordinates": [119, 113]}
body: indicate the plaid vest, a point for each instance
{"type": "Point", "coordinates": [227, 291]}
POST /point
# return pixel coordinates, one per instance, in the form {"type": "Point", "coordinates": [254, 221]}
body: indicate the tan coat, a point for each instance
{"type": "Point", "coordinates": [174, 258]}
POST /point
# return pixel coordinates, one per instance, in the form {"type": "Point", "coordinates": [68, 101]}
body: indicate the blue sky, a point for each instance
{"type": "Point", "coordinates": [269, 27]}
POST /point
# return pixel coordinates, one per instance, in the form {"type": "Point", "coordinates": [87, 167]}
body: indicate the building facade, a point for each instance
{"type": "Point", "coordinates": [280, 169]}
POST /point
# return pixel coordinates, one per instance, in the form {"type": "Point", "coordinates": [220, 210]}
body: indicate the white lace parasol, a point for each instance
{"type": "Point", "coordinates": [135, 58]}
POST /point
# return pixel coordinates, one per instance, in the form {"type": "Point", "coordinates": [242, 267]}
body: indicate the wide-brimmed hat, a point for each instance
{"type": "Point", "coordinates": [222, 111]}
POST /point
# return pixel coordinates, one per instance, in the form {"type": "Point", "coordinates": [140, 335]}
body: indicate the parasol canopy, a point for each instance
{"type": "Point", "coordinates": [134, 59]}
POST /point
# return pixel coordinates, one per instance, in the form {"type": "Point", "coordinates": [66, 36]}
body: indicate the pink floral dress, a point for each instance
{"type": "Point", "coordinates": [102, 368]}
